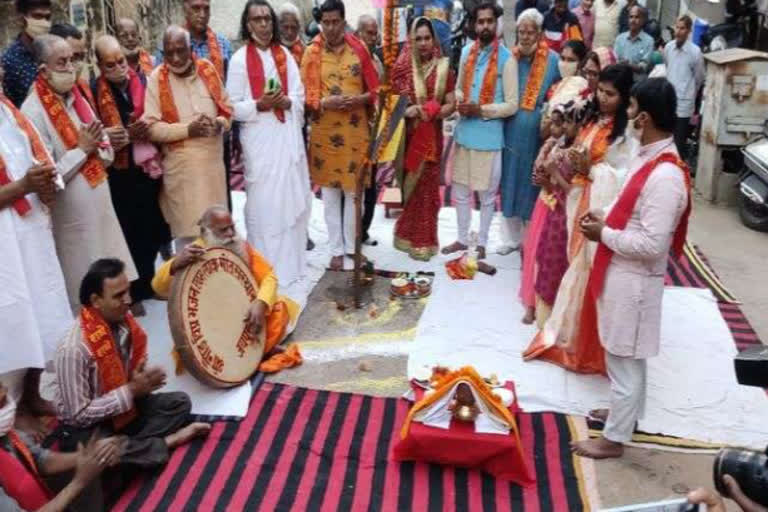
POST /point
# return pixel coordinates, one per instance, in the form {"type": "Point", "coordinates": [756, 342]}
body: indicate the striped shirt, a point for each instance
{"type": "Point", "coordinates": [79, 399]}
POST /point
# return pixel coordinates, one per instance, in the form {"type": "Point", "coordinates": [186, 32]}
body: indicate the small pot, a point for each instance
{"type": "Point", "coordinates": [423, 284]}
{"type": "Point", "coordinates": [400, 286]}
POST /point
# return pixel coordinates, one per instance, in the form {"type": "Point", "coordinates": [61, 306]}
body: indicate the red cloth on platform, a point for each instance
{"type": "Point", "coordinates": [498, 455]}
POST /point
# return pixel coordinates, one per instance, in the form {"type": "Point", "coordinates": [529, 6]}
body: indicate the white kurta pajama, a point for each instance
{"type": "Point", "coordinates": [278, 195]}
{"type": "Point", "coordinates": [629, 308]}
{"type": "Point", "coordinates": [85, 225]}
{"type": "Point", "coordinates": [34, 309]}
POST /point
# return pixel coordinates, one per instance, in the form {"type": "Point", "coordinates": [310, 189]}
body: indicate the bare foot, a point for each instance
{"type": "Point", "coordinates": [480, 252]}
{"type": "Point", "coordinates": [454, 247]}
{"type": "Point", "coordinates": [599, 414]}
{"type": "Point", "coordinates": [530, 316]}
{"type": "Point", "coordinates": [35, 426]}
{"type": "Point", "coordinates": [337, 263]}
{"type": "Point", "coordinates": [137, 309]}
{"type": "Point", "coordinates": [187, 433]}
{"type": "Point", "coordinates": [507, 249]}
{"type": "Point", "coordinates": [600, 448]}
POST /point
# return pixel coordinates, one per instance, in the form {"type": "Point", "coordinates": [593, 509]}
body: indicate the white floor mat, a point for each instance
{"type": "Point", "coordinates": [692, 389]}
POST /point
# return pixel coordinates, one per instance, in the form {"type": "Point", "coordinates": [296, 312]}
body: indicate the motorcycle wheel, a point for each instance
{"type": "Point", "coordinates": [753, 215]}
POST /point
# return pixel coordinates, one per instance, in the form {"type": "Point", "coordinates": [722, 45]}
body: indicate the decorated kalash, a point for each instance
{"type": "Point", "coordinates": [457, 408]}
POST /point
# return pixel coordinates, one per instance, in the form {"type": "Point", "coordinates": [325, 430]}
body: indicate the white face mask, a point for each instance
{"type": "Point", "coordinates": [7, 416]}
{"type": "Point", "coordinates": [62, 81]}
{"type": "Point", "coordinates": [37, 27]}
{"type": "Point", "coordinates": [131, 53]}
{"type": "Point", "coordinates": [567, 68]}
{"type": "Point", "coordinates": [180, 70]}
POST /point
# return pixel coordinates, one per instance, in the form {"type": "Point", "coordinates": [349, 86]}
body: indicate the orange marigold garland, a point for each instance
{"type": "Point", "coordinates": [488, 89]}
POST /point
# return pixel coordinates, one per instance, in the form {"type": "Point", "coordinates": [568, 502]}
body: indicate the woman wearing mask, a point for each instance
{"type": "Point", "coordinates": [569, 66]}
{"type": "Point", "coordinates": [599, 158]}
{"type": "Point", "coordinates": [425, 77]}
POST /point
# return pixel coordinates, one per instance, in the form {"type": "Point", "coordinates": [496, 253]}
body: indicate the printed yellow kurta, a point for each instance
{"type": "Point", "coordinates": [338, 141]}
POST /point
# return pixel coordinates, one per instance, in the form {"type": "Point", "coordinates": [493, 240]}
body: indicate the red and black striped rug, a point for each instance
{"type": "Point", "coordinates": [304, 449]}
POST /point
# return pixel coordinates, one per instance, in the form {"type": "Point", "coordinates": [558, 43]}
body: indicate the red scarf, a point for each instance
{"type": "Point", "coordinates": [22, 205]}
{"type": "Point", "coordinates": [92, 170]}
{"type": "Point", "coordinates": [256, 72]}
{"type": "Point", "coordinates": [20, 479]}
{"type": "Point", "coordinates": [488, 89]}
{"type": "Point", "coordinates": [619, 216]}
{"type": "Point", "coordinates": [211, 79]}
{"type": "Point", "coordinates": [112, 372]}
{"type": "Point", "coordinates": [313, 72]}
{"type": "Point", "coordinates": [297, 50]}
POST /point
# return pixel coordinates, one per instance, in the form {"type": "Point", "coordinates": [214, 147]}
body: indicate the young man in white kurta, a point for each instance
{"type": "Point", "coordinates": [278, 195]}
{"type": "Point", "coordinates": [629, 307]}
{"type": "Point", "coordinates": [34, 310]}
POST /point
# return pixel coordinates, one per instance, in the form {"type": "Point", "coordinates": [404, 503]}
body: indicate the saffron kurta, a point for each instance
{"type": "Point", "coordinates": [34, 308]}
{"type": "Point", "coordinates": [522, 141]}
{"type": "Point", "coordinates": [85, 225]}
{"type": "Point", "coordinates": [195, 177]}
{"type": "Point", "coordinates": [338, 141]}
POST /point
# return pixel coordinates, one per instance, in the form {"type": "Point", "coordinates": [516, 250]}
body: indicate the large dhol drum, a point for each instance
{"type": "Point", "coordinates": [207, 306]}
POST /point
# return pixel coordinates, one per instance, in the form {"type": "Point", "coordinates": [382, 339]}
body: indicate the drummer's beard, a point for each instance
{"type": "Point", "coordinates": [235, 244]}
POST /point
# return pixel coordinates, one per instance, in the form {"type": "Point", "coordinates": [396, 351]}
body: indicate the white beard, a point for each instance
{"type": "Point", "coordinates": [235, 244]}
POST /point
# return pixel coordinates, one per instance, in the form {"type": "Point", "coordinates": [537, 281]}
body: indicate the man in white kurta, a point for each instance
{"type": "Point", "coordinates": [85, 226]}
{"type": "Point", "coordinates": [34, 310]}
{"type": "Point", "coordinates": [278, 195]}
{"type": "Point", "coordinates": [629, 307]}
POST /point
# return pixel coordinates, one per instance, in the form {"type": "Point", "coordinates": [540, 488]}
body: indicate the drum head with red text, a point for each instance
{"type": "Point", "coordinates": [207, 306]}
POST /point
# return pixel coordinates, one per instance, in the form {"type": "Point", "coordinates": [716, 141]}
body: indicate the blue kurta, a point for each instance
{"type": "Point", "coordinates": [522, 142]}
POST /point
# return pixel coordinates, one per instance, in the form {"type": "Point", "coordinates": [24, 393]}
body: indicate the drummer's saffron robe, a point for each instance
{"type": "Point", "coordinates": [282, 310]}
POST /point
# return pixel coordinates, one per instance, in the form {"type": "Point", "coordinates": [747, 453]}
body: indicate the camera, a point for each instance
{"type": "Point", "coordinates": [748, 467]}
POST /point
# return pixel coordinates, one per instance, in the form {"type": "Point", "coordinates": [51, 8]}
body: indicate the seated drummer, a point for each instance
{"type": "Point", "coordinates": [217, 229]}
{"type": "Point", "coordinates": [24, 464]}
{"type": "Point", "coordinates": [103, 383]}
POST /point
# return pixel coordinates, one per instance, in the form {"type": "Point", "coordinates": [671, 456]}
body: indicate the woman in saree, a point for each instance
{"type": "Point", "coordinates": [600, 158]}
{"type": "Point", "coordinates": [425, 78]}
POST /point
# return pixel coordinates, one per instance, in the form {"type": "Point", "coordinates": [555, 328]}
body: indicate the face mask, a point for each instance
{"type": "Point", "coordinates": [180, 70]}
{"type": "Point", "coordinates": [633, 132]}
{"type": "Point", "coordinates": [259, 40]}
{"type": "Point", "coordinates": [567, 68]}
{"type": "Point", "coordinates": [131, 53]}
{"type": "Point", "coordinates": [37, 27]}
{"type": "Point", "coordinates": [116, 75]}
{"type": "Point", "coordinates": [7, 416]}
{"type": "Point", "coordinates": [62, 81]}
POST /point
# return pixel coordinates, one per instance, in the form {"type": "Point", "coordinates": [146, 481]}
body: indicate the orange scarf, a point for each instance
{"type": "Point", "coordinates": [214, 51]}
{"type": "Point", "coordinates": [207, 73]}
{"type": "Point", "coordinates": [85, 90]}
{"type": "Point", "coordinates": [488, 89]}
{"type": "Point", "coordinates": [92, 170]}
{"type": "Point", "coordinates": [313, 72]}
{"type": "Point", "coordinates": [256, 73]}
{"type": "Point", "coordinates": [112, 372]}
{"type": "Point", "coordinates": [110, 116]}
{"type": "Point", "coordinates": [297, 50]}
{"type": "Point", "coordinates": [536, 76]}
{"type": "Point", "coordinates": [145, 62]}
{"type": "Point", "coordinates": [22, 205]}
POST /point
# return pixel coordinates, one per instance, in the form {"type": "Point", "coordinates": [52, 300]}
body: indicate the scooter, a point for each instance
{"type": "Point", "coordinates": [753, 184]}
